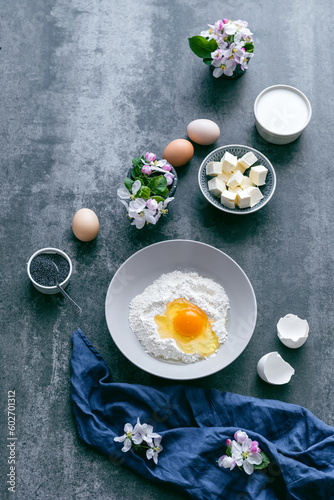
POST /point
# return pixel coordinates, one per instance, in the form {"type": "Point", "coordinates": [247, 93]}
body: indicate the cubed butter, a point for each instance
{"type": "Point", "coordinates": [228, 199]}
{"type": "Point", "coordinates": [229, 162]}
{"type": "Point", "coordinates": [258, 175]}
{"type": "Point", "coordinates": [243, 199]}
{"type": "Point", "coordinates": [216, 186]}
{"type": "Point", "coordinates": [255, 195]}
{"type": "Point", "coordinates": [240, 166]}
{"type": "Point", "coordinates": [224, 176]}
{"type": "Point", "coordinates": [235, 180]}
{"type": "Point", "coordinates": [214, 168]}
{"type": "Point", "coordinates": [248, 159]}
{"type": "Point", "coordinates": [246, 182]}
{"type": "Point", "coordinates": [235, 190]}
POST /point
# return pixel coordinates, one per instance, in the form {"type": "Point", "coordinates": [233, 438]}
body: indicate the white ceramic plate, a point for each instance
{"type": "Point", "coordinates": [237, 150]}
{"type": "Point", "coordinates": [144, 267]}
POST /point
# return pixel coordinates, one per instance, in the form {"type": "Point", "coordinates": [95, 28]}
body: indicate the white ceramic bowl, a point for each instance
{"type": "Point", "coordinates": [281, 114]}
{"type": "Point", "coordinates": [49, 290]}
{"type": "Point", "coordinates": [237, 150]}
{"type": "Point", "coordinates": [147, 265]}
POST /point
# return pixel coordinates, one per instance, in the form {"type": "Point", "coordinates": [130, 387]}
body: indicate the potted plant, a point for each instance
{"type": "Point", "coordinates": [227, 46]}
{"type": "Point", "coordinates": [149, 188]}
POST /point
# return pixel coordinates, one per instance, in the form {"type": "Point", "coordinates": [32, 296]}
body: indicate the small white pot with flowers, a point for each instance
{"type": "Point", "coordinates": [227, 47]}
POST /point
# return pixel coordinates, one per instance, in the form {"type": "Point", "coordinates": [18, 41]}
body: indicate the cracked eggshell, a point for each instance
{"type": "Point", "coordinates": [292, 331]}
{"type": "Point", "coordinates": [273, 369]}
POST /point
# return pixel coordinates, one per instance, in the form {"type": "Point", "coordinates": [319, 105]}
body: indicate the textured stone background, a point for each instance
{"type": "Point", "coordinates": [85, 86]}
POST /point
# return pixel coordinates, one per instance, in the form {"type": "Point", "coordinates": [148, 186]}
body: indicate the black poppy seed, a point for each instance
{"type": "Point", "coordinates": [42, 271]}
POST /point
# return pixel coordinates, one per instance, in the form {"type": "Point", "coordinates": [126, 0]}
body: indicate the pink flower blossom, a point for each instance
{"type": "Point", "coordinates": [226, 462]}
{"type": "Point", "coordinates": [219, 25]}
{"type": "Point", "coordinates": [150, 157]}
{"type": "Point", "coordinates": [152, 204]}
{"type": "Point", "coordinates": [254, 447]}
{"type": "Point", "coordinates": [169, 177]}
{"type": "Point", "coordinates": [146, 169]}
{"type": "Point", "coordinates": [240, 436]}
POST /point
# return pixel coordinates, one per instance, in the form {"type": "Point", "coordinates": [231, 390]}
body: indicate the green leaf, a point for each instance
{"type": "Point", "coordinates": [165, 193]}
{"type": "Point", "coordinates": [158, 198]}
{"type": "Point", "coordinates": [207, 61]}
{"type": "Point", "coordinates": [144, 179]}
{"type": "Point", "coordinates": [137, 162]}
{"type": "Point", "coordinates": [249, 47]}
{"type": "Point", "coordinates": [128, 183]}
{"type": "Point", "coordinates": [228, 452]}
{"type": "Point", "coordinates": [138, 176]}
{"type": "Point", "coordinates": [202, 47]}
{"type": "Point", "coordinates": [144, 192]}
{"type": "Point", "coordinates": [137, 171]}
{"type": "Point", "coordinates": [158, 184]}
{"type": "Point", "coordinates": [265, 462]}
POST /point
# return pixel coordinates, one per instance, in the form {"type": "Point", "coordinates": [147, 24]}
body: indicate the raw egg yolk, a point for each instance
{"type": "Point", "coordinates": [189, 323]}
{"type": "Point", "coordinates": [189, 326]}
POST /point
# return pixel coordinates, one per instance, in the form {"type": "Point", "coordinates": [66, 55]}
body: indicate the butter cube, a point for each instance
{"type": "Point", "coordinates": [258, 175]}
{"type": "Point", "coordinates": [255, 195]}
{"type": "Point", "coordinates": [229, 162]}
{"type": "Point", "coordinates": [246, 182]}
{"type": "Point", "coordinates": [216, 186]}
{"type": "Point", "coordinates": [248, 159]}
{"type": "Point", "coordinates": [240, 166]}
{"type": "Point", "coordinates": [224, 176]}
{"type": "Point", "coordinates": [235, 190]}
{"type": "Point", "coordinates": [235, 180]}
{"type": "Point", "coordinates": [228, 199]}
{"type": "Point", "coordinates": [243, 199]}
{"type": "Point", "coordinates": [214, 168]}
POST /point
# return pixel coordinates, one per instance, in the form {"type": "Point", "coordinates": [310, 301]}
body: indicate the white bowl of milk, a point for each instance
{"type": "Point", "coordinates": [281, 113]}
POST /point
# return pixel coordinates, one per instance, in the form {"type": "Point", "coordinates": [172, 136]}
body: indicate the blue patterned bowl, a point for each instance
{"type": "Point", "coordinates": [267, 190]}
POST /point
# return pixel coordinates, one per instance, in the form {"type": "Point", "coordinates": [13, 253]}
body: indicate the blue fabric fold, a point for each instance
{"type": "Point", "coordinates": [194, 424]}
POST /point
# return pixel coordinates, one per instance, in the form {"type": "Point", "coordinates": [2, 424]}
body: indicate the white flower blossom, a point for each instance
{"type": "Point", "coordinates": [154, 450]}
{"type": "Point", "coordinates": [243, 452]}
{"type": "Point", "coordinates": [139, 434]}
{"type": "Point", "coordinates": [125, 194]}
{"type": "Point", "coordinates": [131, 435]}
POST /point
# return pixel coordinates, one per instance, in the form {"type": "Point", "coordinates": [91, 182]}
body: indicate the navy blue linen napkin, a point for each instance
{"type": "Point", "coordinates": [194, 424]}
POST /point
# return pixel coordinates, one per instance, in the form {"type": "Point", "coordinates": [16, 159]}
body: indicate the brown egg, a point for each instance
{"type": "Point", "coordinates": [178, 152]}
{"type": "Point", "coordinates": [85, 224]}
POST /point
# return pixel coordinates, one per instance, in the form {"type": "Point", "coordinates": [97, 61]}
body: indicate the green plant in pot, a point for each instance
{"type": "Point", "coordinates": [149, 188]}
{"type": "Point", "coordinates": [227, 46]}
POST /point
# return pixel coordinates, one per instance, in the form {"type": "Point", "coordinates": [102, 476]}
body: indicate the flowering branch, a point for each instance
{"type": "Point", "coordinates": [134, 437]}
{"type": "Point", "coordinates": [244, 453]}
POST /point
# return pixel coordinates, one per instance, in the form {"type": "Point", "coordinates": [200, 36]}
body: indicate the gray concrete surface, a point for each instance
{"type": "Point", "coordinates": [87, 85]}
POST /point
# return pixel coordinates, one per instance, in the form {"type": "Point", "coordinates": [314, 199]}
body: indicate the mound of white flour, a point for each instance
{"type": "Point", "coordinates": [203, 292]}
